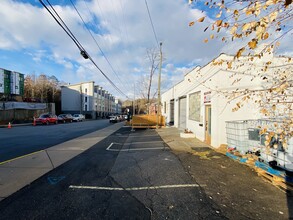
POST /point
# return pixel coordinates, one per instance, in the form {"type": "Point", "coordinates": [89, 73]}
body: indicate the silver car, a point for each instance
{"type": "Point", "coordinates": [78, 117]}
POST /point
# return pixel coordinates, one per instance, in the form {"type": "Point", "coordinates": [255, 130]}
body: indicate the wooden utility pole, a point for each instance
{"type": "Point", "coordinates": [133, 100]}
{"type": "Point", "coordinates": [159, 87]}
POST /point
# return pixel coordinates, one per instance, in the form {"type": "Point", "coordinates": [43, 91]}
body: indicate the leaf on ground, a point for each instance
{"type": "Point", "coordinates": [202, 155]}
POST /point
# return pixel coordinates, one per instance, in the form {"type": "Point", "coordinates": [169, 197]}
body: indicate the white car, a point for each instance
{"type": "Point", "coordinates": [78, 117]}
{"type": "Point", "coordinates": [113, 119]}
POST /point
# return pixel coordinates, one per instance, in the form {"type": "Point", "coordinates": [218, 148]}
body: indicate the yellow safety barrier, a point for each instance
{"type": "Point", "coordinates": [147, 121]}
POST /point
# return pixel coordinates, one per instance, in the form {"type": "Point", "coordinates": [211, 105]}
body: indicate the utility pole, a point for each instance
{"type": "Point", "coordinates": [134, 100]}
{"type": "Point", "coordinates": [159, 86]}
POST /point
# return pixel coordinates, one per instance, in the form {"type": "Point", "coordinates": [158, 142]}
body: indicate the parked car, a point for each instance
{"type": "Point", "coordinates": [47, 119]}
{"type": "Point", "coordinates": [78, 117]}
{"type": "Point", "coordinates": [60, 119]}
{"type": "Point", "coordinates": [113, 119]}
{"type": "Point", "coordinates": [121, 117]}
{"type": "Point", "coordinates": [65, 118]}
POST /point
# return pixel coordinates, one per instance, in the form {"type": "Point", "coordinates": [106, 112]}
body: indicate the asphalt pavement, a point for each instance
{"type": "Point", "coordinates": [126, 175]}
{"type": "Point", "coordinates": [21, 171]}
{"type": "Point", "coordinates": [120, 173]}
{"type": "Point", "coordinates": [233, 186]}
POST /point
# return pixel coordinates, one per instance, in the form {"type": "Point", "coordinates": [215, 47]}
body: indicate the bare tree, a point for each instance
{"type": "Point", "coordinates": [147, 92]}
{"type": "Point", "coordinates": [43, 88]}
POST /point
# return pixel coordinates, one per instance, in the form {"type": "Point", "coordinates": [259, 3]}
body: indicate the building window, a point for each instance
{"type": "Point", "coordinates": [85, 107]}
{"type": "Point", "coordinates": [85, 99]}
{"type": "Point", "coordinates": [165, 107]}
{"type": "Point", "coordinates": [194, 106]}
{"type": "Point", "coordinates": [85, 90]}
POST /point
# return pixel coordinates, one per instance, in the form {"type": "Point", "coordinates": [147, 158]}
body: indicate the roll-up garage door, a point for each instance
{"type": "Point", "coordinates": [182, 113]}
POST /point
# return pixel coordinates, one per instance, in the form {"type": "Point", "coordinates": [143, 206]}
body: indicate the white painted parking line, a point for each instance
{"type": "Point", "coordinates": [144, 142]}
{"type": "Point", "coordinates": [135, 188]}
{"type": "Point", "coordinates": [135, 136]}
{"type": "Point", "coordinates": [143, 135]}
{"type": "Point", "coordinates": [135, 149]}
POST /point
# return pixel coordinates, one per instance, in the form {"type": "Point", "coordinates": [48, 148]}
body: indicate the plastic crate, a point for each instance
{"type": "Point", "coordinates": [237, 135]}
{"type": "Point", "coordinates": [236, 125]}
{"type": "Point", "coordinates": [283, 159]}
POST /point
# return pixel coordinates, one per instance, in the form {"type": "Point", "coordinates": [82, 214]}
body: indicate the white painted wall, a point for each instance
{"type": "Point", "coordinates": [216, 79]}
{"type": "Point", "coordinates": [72, 96]}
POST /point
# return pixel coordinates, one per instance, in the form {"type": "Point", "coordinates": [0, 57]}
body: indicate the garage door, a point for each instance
{"type": "Point", "coordinates": [182, 113]}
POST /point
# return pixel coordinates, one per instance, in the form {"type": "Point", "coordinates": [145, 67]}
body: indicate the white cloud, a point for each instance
{"type": "Point", "coordinates": [123, 31]}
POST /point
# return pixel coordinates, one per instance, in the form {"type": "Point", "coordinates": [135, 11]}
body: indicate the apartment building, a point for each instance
{"type": "Point", "coordinates": [88, 99]}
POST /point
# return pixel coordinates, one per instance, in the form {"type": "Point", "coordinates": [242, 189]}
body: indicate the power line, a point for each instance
{"type": "Point", "coordinates": [77, 43]}
{"type": "Point", "coordinates": [104, 55]}
{"type": "Point", "coordinates": [146, 4]}
{"type": "Point", "coordinates": [65, 29]}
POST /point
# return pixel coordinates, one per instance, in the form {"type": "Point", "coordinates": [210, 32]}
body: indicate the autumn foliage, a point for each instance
{"type": "Point", "coordinates": [255, 20]}
{"type": "Point", "coordinates": [260, 26]}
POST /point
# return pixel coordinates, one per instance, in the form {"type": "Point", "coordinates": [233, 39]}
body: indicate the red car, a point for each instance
{"type": "Point", "coordinates": [47, 119]}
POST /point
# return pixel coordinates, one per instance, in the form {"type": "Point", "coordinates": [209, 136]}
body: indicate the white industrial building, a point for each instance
{"type": "Point", "coordinates": [198, 102]}
{"type": "Point", "coordinates": [89, 99]}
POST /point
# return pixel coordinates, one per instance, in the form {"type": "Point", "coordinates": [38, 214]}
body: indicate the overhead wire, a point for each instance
{"type": "Point", "coordinates": [116, 18]}
{"type": "Point", "coordinates": [123, 19]}
{"type": "Point", "coordinates": [77, 43]}
{"type": "Point", "coordinates": [65, 29]}
{"type": "Point", "coordinates": [110, 36]}
{"type": "Point", "coordinates": [102, 52]}
{"type": "Point", "coordinates": [153, 28]}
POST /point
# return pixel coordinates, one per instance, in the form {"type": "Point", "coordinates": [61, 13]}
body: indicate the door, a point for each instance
{"type": "Point", "coordinates": [171, 121]}
{"type": "Point", "coordinates": [182, 113]}
{"type": "Point", "coordinates": [208, 123]}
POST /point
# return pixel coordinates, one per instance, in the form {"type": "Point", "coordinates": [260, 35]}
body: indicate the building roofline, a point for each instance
{"type": "Point", "coordinates": [76, 84]}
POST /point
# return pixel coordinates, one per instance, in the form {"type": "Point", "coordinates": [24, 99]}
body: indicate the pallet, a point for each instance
{"type": "Point", "coordinates": [276, 177]}
{"type": "Point", "coordinates": [237, 158]}
{"type": "Point", "coordinates": [250, 162]}
{"type": "Point", "coordinates": [278, 181]}
{"type": "Point", "coordinates": [269, 169]}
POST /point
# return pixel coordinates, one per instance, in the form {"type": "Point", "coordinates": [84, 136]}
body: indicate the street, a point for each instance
{"type": "Point", "coordinates": [129, 175]}
{"type": "Point", "coordinates": [135, 174]}
{"type": "Point", "coordinates": [19, 141]}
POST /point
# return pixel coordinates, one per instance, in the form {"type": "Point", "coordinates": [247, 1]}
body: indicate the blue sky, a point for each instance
{"type": "Point", "coordinates": [32, 42]}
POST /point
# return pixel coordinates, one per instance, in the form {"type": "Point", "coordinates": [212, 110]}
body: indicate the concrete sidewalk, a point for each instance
{"type": "Point", "coordinates": [21, 171]}
{"type": "Point", "coordinates": [235, 186]}
{"type": "Point", "coordinates": [171, 136]}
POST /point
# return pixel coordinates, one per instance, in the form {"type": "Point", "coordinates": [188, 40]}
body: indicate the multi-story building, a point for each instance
{"type": "Point", "coordinates": [11, 84]}
{"type": "Point", "coordinates": [118, 105]}
{"type": "Point", "coordinates": [89, 99]}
